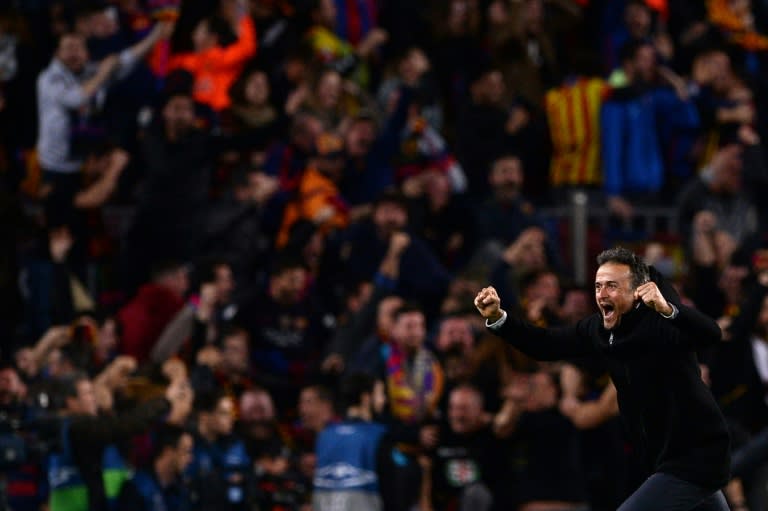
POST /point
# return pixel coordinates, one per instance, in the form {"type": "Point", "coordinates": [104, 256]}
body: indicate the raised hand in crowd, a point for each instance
{"type": "Point", "coordinates": [372, 42]}
{"type": "Point", "coordinates": [528, 251]}
{"type": "Point", "coordinates": [208, 300]}
{"type": "Point", "coordinates": [175, 370]}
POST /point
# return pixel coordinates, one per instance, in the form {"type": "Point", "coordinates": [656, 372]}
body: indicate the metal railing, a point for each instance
{"type": "Point", "coordinates": [580, 216]}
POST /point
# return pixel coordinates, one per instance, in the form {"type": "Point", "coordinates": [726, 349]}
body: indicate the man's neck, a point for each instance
{"type": "Point", "coordinates": [358, 412]}
{"type": "Point", "coordinates": [207, 433]}
{"type": "Point", "coordinates": [164, 472]}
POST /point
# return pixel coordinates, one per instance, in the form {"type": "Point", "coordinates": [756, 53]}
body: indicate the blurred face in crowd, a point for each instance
{"type": "Point", "coordinates": [314, 411]}
{"type": "Point", "coordinates": [546, 287]}
{"type": "Point", "coordinates": [727, 175]}
{"type": "Point", "coordinates": [331, 166]}
{"type": "Point", "coordinates": [257, 88]}
{"type": "Point", "coordinates": [576, 305]}
{"type": "Point", "coordinates": [182, 454]}
{"type": "Point", "coordinates": [465, 410]}
{"type": "Point", "coordinates": [544, 392]}
{"type": "Point", "coordinates": [11, 387]}
{"type": "Point", "coordinates": [234, 352]}
{"type": "Point", "coordinates": [644, 63]}
{"type": "Point", "coordinates": [506, 178]}
{"type": "Point", "coordinates": [107, 337]}
{"type": "Point", "coordinates": [257, 414]}
{"type": "Point", "coordinates": [455, 332]}
{"type": "Point", "coordinates": [288, 285]}
{"type": "Point", "coordinates": [328, 90]}
{"type": "Point", "coordinates": [414, 64]}
{"type": "Point", "coordinates": [84, 403]}
{"type": "Point", "coordinates": [222, 419]}
{"type": "Point", "coordinates": [409, 330]}
{"type": "Point", "coordinates": [720, 72]}
{"type": "Point", "coordinates": [534, 14]}
{"type": "Point", "coordinates": [614, 292]}
{"type": "Point", "coordinates": [438, 188]}
{"type": "Point", "coordinates": [224, 282]}
{"type": "Point", "coordinates": [490, 89]}
{"type": "Point", "coordinates": [256, 406]}
{"type": "Point", "coordinates": [360, 137]}
{"type": "Point", "coordinates": [104, 23]}
{"type": "Point", "coordinates": [385, 313]}
{"type": "Point", "coordinates": [25, 361]}
{"type": "Point", "coordinates": [637, 18]}
{"type": "Point", "coordinates": [72, 52]}
{"type": "Point", "coordinates": [179, 114]}
{"type": "Point", "coordinates": [359, 296]}
{"type": "Point", "coordinates": [176, 280]}
{"type": "Point", "coordinates": [389, 217]}
{"type": "Point", "coordinates": [202, 37]}
{"type": "Point", "coordinates": [305, 131]}
{"type": "Point", "coordinates": [325, 14]}
{"type": "Point", "coordinates": [731, 281]}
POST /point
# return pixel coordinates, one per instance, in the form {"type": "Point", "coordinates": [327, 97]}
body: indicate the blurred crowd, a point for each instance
{"type": "Point", "coordinates": [241, 241]}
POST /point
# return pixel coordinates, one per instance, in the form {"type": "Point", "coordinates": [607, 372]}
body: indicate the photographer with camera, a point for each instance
{"type": "Point", "coordinates": [87, 471]}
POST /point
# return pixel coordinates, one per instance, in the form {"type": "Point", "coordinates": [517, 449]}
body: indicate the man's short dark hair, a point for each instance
{"type": "Point", "coordinates": [206, 269]}
{"type": "Point", "coordinates": [68, 385]}
{"type": "Point", "coordinates": [164, 268]}
{"type": "Point", "coordinates": [472, 388]}
{"type": "Point", "coordinates": [287, 260]}
{"type": "Point", "coordinates": [231, 330]}
{"type": "Point", "coordinates": [406, 308]}
{"type": "Point", "coordinates": [620, 255]}
{"type": "Point", "coordinates": [353, 387]}
{"type": "Point", "coordinates": [166, 436]}
{"type": "Point", "coordinates": [207, 400]}
{"type": "Point", "coordinates": [391, 196]}
{"type": "Point", "coordinates": [630, 49]}
{"type": "Point", "coordinates": [322, 392]}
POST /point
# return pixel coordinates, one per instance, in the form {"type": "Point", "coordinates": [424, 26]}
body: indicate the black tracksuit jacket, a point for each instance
{"type": "Point", "coordinates": [671, 416]}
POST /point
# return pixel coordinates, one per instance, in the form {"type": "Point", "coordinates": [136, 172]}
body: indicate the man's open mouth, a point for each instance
{"type": "Point", "coordinates": [608, 310]}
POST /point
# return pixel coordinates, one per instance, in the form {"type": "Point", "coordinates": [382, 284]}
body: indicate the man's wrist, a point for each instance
{"type": "Point", "coordinates": [498, 321]}
{"type": "Point", "coordinates": [672, 314]}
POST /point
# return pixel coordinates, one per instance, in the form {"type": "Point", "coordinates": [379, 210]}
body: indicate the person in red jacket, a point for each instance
{"type": "Point", "coordinates": [214, 66]}
{"type": "Point", "coordinates": [143, 319]}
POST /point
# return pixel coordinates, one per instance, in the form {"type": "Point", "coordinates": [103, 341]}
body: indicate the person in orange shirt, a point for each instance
{"type": "Point", "coordinates": [216, 67]}
{"type": "Point", "coordinates": [318, 198]}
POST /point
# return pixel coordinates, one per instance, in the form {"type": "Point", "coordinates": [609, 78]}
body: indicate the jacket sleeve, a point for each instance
{"type": "Point", "coordinates": [174, 335]}
{"type": "Point", "coordinates": [90, 435]}
{"type": "Point", "coordinates": [546, 343]}
{"type": "Point", "coordinates": [693, 328]}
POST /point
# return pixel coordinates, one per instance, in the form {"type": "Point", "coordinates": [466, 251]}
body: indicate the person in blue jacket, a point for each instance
{"type": "Point", "coordinates": [348, 452]}
{"type": "Point", "coordinates": [220, 472]}
{"type": "Point", "coordinates": [160, 487]}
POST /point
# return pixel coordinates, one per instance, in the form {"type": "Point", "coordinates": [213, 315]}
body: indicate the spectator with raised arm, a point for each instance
{"type": "Point", "coordinates": [70, 93]}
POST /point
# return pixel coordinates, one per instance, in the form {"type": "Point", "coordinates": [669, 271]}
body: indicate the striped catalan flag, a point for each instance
{"type": "Point", "coordinates": [573, 112]}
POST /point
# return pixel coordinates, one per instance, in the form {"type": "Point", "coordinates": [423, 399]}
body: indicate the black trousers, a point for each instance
{"type": "Point", "coordinates": [663, 492]}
